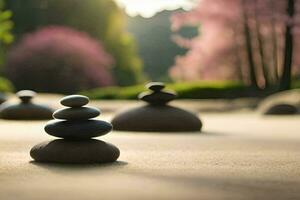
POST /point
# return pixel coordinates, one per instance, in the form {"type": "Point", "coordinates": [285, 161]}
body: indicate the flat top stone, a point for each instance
{"type": "Point", "coordinates": [77, 113]}
{"type": "Point", "coordinates": [155, 86]}
{"type": "Point", "coordinates": [26, 93]}
{"type": "Point", "coordinates": [74, 100]}
{"type": "Point", "coordinates": [157, 98]}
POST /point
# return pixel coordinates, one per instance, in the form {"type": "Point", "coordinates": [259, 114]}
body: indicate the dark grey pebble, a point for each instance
{"type": "Point", "coordinates": [81, 152]}
{"type": "Point", "coordinates": [74, 101]}
{"type": "Point", "coordinates": [157, 98]}
{"type": "Point", "coordinates": [79, 113]}
{"type": "Point", "coordinates": [281, 109]}
{"type": "Point", "coordinates": [76, 130]}
{"type": "Point", "coordinates": [155, 86]}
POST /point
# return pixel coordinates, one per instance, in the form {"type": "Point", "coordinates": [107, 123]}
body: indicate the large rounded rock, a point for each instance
{"type": "Point", "coordinates": [281, 109]}
{"type": "Point", "coordinates": [283, 100]}
{"type": "Point", "coordinates": [25, 111]}
{"type": "Point", "coordinates": [157, 119]}
{"type": "Point", "coordinates": [74, 101]}
{"type": "Point", "coordinates": [77, 130]}
{"type": "Point", "coordinates": [81, 152]}
{"type": "Point", "coordinates": [80, 113]}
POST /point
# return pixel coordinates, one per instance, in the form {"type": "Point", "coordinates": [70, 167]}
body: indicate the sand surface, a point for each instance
{"type": "Point", "coordinates": [238, 156]}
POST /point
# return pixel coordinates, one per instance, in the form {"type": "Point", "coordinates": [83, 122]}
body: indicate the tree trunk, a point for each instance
{"type": "Point", "coordinates": [252, 73]}
{"type": "Point", "coordinates": [285, 81]}
{"type": "Point", "coordinates": [260, 41]}
{"type": "Point", "coordinates": [274, 43]}
{"type": "Point", "coordinates": [238, 60]}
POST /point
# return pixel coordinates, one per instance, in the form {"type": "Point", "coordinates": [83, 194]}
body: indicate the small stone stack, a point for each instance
{"type": "Point", "coordinates": [157, 96]}
{"type": "Point", "coordinates": [157, 115]}
{"type": "Point", "coordinates": [26, 109]}
{"type": "Point", "coordinates": [77, 128]}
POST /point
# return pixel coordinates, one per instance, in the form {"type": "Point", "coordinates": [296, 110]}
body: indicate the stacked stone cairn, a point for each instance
{"type": "Point", "coordinates": [157, 115]}
{"type": "Point", "coordinates": [26, 109]}
{"type": "Point", "coordinates": [76, 127]}
{"type": "Point", "coordinates": [157, 96]}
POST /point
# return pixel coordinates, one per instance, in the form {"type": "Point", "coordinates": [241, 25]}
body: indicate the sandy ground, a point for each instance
{"type": "Point", "coordinates": [239, 155]}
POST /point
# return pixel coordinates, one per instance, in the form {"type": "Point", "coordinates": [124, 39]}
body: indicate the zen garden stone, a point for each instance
{"type": "Point", "coordinates": [281, 109]}
{"type": "Point", "coordinates": [26, 109]}
{"type": "Point", "coordinates": [74, 101]}
{"type": "Point", "coordinates": [76, 113]}
{"type": "Point", "coordinates": [157, 116]}
{"type": "Point", "coordinates": [77, 130]}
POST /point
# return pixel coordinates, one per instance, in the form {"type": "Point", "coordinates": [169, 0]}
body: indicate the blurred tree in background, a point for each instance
{"type": "Point", "coordinates": [251, 40]}
{"type": "Point", "coordinates": [59, 60]}
{"type": "Point", "coordinates": [6, 26]}
{"type": "Point", "coordinates": [156, 47]}
{"type": "Point", "coordinates": [102, 19]}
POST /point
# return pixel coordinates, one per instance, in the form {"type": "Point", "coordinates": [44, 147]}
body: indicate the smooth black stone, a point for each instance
{"type": "Point", "coordinates": [77, 129]}
{"type": "Point", "coordinates": [25, 111]}
{"type": "Point", "coordinates": [26, 95]}
{"type": "Point", "coordinates": [155, 86]}
{"type": "Point", "coordinates": [79, 113]}
{"type": "Point", "coordinates": [281, 109]}
{"type": "Point", "coordinates": [74, 101]}
{"type": "Point", "coordinates": [157, 98]}
{"type": "Point", "coordinates": [81, 152]}
{"type": "Point", "coordinates": [157, 119]}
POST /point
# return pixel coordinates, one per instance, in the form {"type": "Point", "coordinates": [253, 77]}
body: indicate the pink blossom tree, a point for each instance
{"type": "Point", "coordinates": [59, 59]}
{"type": "Point", "coordinates": [250, 40]}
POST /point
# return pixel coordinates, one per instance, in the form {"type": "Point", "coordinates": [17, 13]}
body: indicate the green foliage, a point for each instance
{"type": "Point", "coordinates": [209, 89]}
{"type": "Point", "coordinates": [296, 84]}
{"type": "Point", "coordinates": [6, 26]}
{"type": "Point", "coordinates": [114, 92]}
{"type": "Point", "coordinates": [6, 85]}
{"type": "Point", "coordinates": [102, 19]}
{"type": "Point", "coordinates": [198, 90]}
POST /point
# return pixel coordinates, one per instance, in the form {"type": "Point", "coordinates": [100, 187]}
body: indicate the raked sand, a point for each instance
{"type": "Point", "coordinates": [238, 156]}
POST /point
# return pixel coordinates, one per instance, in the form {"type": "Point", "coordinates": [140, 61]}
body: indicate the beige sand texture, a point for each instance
{"type": "Point", "coordinates": [238, 156]}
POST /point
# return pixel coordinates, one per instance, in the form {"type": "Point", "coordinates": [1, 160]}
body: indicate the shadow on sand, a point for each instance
{"type": "Point", "coordinates": [213, 133]}
{"type": "Point", "coordinates": [78, 167]}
